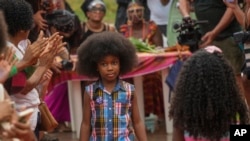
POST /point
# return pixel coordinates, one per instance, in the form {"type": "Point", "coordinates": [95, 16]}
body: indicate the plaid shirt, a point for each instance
{"type": "Point", "coordinates": [111, 112]}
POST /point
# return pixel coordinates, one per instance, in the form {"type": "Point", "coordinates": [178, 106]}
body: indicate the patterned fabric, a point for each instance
{"type": "Point", "coordinates": [148, 27]}
{"type": "Point", "coordinates": [148, 63]}
{"type": "Point", "coordinates": [246, 69]}
{"type": "Point", "coordinates": [191, 138]}
{"type": "Point", "coordinates": [152, 85]}
{"type": "Point", "coordinates": [111, 112]}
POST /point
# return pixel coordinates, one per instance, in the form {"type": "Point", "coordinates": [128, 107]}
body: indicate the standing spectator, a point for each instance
{"type": "Point", "coordinates": [206, 98]}
{"type": "Point", "coordinates": [243, 17]}
{"type": "Point", "coordinates": [40, 9]}
{"type": "Point", "coordinates": [159, 12]}
{"type": "Point", "coordinates": [148, 32]}
{"type": "Point", "coordinates": [95, 11]}
{"type": "Point", "coordinates": [18, 130]}
{"type": "Point", "coordinates": [19, 23]}
{"type": "Point", "coordinates": [219, 30]}
{"type": "Point", "coordinates": [61, 21]}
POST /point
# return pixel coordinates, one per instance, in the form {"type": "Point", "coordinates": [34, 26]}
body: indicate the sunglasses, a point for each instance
{"type": "Point", "coordinates": [95, 9]}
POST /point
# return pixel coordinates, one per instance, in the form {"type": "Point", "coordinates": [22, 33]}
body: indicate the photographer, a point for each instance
{"type": "Point", "coordinates": [41, 8]}
{"type": "Point", "coordinates": [219, 30]}
{"type": "Point", "coordinates": [243, 17]}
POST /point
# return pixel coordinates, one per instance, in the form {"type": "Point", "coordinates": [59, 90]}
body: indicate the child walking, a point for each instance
{"type": "Point", "coordinates": [207, 99]}
{"type": "Point", "coordinates": [110, 104]}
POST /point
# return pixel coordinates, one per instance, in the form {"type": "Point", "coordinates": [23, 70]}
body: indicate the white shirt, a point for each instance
{"type": "Point", "coordinates": [159, 13]}
{"type": "Point", "coordinates": [32, 98]}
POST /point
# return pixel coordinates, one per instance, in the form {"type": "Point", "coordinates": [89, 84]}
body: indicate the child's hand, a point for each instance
{"type": "Point", "coordinates": [34, 50]}
{"type": "Point", "coordinates": [47, 58]}
{"type": "Point", "coordinates": [7, 60]}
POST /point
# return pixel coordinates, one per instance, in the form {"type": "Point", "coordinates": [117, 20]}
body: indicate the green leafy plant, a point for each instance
{"type": "Point", "coordinates": [143, 46]}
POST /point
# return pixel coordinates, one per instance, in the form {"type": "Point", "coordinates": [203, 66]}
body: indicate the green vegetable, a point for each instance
{"type": "Point", "coordinates": [143, 46]}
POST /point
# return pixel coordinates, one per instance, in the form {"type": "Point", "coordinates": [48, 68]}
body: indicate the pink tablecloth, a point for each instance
{"type": "Point", "coordinates": [57, 98]}
{"type": "Point", "coordinates": [148, 63]}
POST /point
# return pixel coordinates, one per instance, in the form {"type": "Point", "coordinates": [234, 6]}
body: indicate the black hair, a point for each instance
{"type": "Point", "coordinates": [18, 15]}
{"type": "Point", "coordinates": [62, 20]}
{"type": "Point", "coordinates": [207, 98]}
{"type": "Point", "coordinates": [135, 2]}
{"type": "Point", "coordinates": [85, 6]}
{"type": "Point", "coordinates": [3, 32]}
{"type": "Point", "coordinates": [99, 45]}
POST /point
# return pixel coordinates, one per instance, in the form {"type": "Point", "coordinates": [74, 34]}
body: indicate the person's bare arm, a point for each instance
{"type": "Point", "coordinates": [85, 126]}
{"type": "Point", "coordinates": [34, 80]}
{"type": "Point", "coordinates": [178, 135]}
{"type": "Point", "coordinates": [139, 127]}
{"type": "Point", "coordinates": [45, 62]}
{"type": "Point", "coordinates": [32, 52]}
{"type": "Point", "coordinates": [184, 8]}
{"type": "Point", "coordinates": [239, 14]}
{"type": "Point", "coordinates": [223, 23]}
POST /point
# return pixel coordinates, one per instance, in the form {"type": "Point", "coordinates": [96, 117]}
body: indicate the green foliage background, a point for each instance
{"type": "Point", "coordinates": [110, 14]}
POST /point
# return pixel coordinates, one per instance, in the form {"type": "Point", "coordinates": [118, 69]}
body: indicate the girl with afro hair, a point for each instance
{"type": "Point", "coordinates": [110, 104]}
{"type": "Point", "coordinates": [207, 99]}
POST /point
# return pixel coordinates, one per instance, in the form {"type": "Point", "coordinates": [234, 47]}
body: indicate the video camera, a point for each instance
{"type": "Point", "coordinates": [242, 36]}
{"type": "Point", "coordinates": [189, 33]}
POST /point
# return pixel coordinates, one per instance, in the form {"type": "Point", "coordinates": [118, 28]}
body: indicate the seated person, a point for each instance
{"type": "Point", "coordinates": [148, 32]}
{"type": "Point", "coordinates": [139, 28]}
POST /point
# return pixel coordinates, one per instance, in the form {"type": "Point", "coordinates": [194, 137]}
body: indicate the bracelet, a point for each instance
{"type": "Point", "coordinates": [13, 71]}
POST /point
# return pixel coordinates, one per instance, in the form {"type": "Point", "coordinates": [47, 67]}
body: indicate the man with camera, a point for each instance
{"type": "Point", "coordinates": [219, 30]}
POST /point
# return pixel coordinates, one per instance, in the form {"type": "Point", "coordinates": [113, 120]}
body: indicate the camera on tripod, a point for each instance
{"type": "Point", "coordinates": [189, 33]}
{"type": "Point", "coordinates": [242, 36]}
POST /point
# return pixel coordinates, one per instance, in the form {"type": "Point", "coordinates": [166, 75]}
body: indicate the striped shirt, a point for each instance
{"type": "Point", "coordinates": [111, 112]}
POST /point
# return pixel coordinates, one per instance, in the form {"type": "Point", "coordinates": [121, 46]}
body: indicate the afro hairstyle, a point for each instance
{"type": "Point", "coordinates": [98, 46]}
{"type": "Point", "coordinates": [18, 15]}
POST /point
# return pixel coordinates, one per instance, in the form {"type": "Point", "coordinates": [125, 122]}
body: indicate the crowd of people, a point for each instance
{"type": "Point", "coordinates": [38, 37]}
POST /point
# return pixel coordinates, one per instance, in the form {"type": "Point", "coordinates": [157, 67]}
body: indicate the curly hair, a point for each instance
{"type": "Point", "coordinates": [3, 32]}
{"type": "Point", "coordinates": [207, 98]}
{"type": "Point", "coordinates": [63, 20]}
{"type": "Point", "coordinates": [99, 45]}
{"type": "Point", "coordinates": [18, 15]}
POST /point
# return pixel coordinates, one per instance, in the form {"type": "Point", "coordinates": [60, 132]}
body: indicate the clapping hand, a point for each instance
{"type": "Point", "coordinates": [7, 60]}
